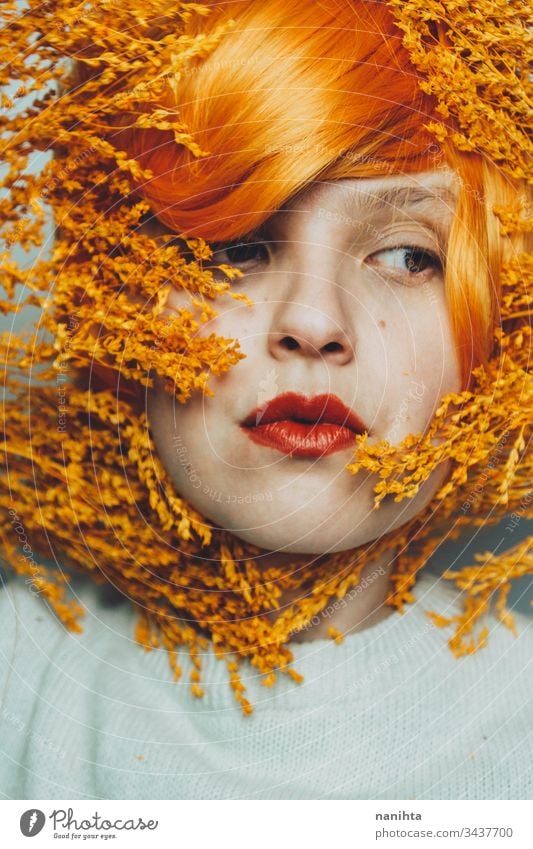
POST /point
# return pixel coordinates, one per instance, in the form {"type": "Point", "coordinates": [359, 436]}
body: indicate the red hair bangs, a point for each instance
{"type": "Point", "coordinates": [320, 91]}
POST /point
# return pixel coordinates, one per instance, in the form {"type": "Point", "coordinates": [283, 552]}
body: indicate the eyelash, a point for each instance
{"type": "Point", "coordinates": [413, 250]}
{"type": "Point", "coordinates": [225, 248]}
{"type": "Point", "coordinates": [423, 253]}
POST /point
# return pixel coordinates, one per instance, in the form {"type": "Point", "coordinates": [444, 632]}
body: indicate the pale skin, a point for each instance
{"type": "Point", "coordinates": [348, 291]}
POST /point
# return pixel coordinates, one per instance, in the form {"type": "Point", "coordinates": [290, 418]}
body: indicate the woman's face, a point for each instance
{"type": "Point", "coordinates": [349, 326]}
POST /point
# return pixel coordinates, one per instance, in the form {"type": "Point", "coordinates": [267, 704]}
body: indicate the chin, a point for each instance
{"type": "Point", "coordinates": [313, 541]}
{"type": "Point", "coordinates": [314, 532]}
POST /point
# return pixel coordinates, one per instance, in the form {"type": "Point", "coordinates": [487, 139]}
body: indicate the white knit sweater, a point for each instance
{"type": "Point", "coordinates": [388, 714]}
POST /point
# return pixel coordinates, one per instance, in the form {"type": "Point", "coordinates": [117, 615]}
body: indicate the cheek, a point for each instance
{"type": "Point", "coordinates": [175, 431]}
{"type": "Point", "coordinates": [437, 364]}
{"type": "Point", "coordinates": [419, 364]}
{"type": "Point", "coordinates": [233, 319]}
{"type": "Point", "coordinates": [437, 357]}
{"type": "Point", "coordinates": [419, 331]}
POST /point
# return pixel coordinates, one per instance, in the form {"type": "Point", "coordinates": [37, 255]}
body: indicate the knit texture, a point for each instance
{"type": "Point", "coordinates": [388, 714]}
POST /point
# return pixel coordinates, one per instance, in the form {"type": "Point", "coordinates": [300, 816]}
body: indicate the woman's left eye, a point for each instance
{"type": "Point", "coordinates": [407, 258]}
{"type": "Point", "coordinates": [243, 254]}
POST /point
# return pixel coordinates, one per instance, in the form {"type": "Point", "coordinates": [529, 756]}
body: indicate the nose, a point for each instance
{"type": "Point", "coordinates": [311, 321]}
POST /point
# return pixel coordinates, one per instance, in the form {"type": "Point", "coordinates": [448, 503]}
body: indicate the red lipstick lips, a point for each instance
{"type": "Point", "coordinates": [303, 427]}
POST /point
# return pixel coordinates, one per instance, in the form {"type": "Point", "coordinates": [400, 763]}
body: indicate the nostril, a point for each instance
{"type": "Point", "coordinates": [332, 347]}
{"type": "Point", "coordinates": [290, 343]}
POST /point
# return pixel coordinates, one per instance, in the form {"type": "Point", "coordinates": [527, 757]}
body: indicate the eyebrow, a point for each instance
{"type": "Point", "coordinates": [433, 206]}
{"type": "Point", "coordinates": [401, 197]}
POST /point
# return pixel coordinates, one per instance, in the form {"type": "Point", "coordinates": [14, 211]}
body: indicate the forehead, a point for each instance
{"type": "Point", "coordinates": [355, 205]}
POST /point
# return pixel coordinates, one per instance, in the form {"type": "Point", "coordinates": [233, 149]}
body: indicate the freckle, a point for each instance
{"type": "Point", "coordinates": [382, 323]}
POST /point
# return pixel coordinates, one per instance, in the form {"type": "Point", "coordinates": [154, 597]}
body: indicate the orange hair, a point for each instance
{"type": "Point", "coordinates": [314, 91]}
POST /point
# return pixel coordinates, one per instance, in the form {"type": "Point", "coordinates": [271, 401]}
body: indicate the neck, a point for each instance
{"type": "Point", "coordinates": [361, 607]}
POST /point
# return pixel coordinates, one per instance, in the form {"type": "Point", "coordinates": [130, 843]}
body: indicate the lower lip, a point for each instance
{"type": "Point", "coordinates": [300, 439]}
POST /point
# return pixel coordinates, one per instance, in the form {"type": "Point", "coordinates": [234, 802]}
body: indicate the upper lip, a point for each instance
{"type": "Point", "coordinates": [319, 409]}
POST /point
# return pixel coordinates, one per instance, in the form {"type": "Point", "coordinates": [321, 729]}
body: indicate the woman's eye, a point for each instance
{"type": "Point", "coordinates": [408, 259]}
{"type": "Point", "coordinates": [241, 253]}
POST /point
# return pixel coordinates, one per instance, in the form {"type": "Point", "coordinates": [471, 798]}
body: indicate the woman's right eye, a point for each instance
{"type": "Point", "coordinates": [242, 254]}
